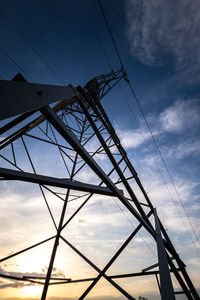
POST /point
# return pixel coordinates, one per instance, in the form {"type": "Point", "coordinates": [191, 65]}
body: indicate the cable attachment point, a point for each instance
{"type": "Point", "coordinates": [124, 74]}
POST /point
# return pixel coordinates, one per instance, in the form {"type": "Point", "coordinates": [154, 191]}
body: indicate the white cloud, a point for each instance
{"type": "Point", "coordinates": [180, 225]}
{"type": "Point", "coordinates": [158, 30]}
{"type": "Point", "coordinates": [181, 115]}
{"type": "Point", "coordinates": [131, 139]}
{"type": "Point", "coordinates": [178, 151]}
{"type": "Point", "coordinates": [134, 138]}
{"type": "Point", "coordinates": [177, 118]}
{"type": "Point", "coordinates": [158, 187]}
{"type": "Point", "coordinates": [144, 239]}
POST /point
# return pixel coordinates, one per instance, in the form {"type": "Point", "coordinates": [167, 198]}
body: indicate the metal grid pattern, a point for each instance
{"type": "Point", "coordinates": [81, 132]}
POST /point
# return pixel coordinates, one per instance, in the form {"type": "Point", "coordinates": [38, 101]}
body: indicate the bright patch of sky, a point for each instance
{"type": "Point", "coordinates": [159, 45]}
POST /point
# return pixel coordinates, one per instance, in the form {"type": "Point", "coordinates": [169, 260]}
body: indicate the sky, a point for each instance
{"type": "Point", "coordinates": [53, 42]}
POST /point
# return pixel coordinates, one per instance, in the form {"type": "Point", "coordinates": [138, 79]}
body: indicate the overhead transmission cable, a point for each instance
{"type": "Point", "coordinates": [17, 65]}
{"type": "Point", "coordinates": [108, 61]}
{"type": "Point", "coordinates": [146, 122]}
{"type": "Point", "coordinates": [31, 46]}
{"type": "Point", "coordinates": [111, 35]}
{"type": "Point", "coordinates": [126, 217]}
{"type": "Point", "coordinates": [164, 181]}
{"type": "Point", "coordinates": [96, 33]}
{"type": "Point", "coordinates": [145, 140]}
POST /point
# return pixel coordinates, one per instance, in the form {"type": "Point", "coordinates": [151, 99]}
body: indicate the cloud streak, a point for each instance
{"type": "Point", "coordinates": [179, 151]}
{"type": "Point", "coordinates": [133, 139]}
{"type": "Point", "coordinates": [163, 30]}
{"type": "Point", "coordinates": [179, 116]}
{"type": "Point", "coordinates": [176, 119]}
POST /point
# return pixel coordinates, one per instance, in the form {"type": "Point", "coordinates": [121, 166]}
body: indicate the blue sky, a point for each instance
{"type": "Point", "coordinates": [159, 46]}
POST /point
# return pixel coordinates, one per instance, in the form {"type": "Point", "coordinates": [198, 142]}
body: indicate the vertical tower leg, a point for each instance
{"type": "Point", "coordinates": [166, 288]}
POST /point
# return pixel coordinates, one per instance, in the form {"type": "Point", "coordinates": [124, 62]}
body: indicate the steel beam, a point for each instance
{"type": "Point", "coordinates": [16, 121]}
{"type": "Point", "coordinates": [190, 284]}
{"type": "Point", "coordinates": [26, 249]}
{"type": "Point", "coordinates": [181, 281]}
{"type": "Point", "coordinates": [123, 246]}
{"type": "Point", "coordinates": [32, 124]}
{"type": "Point", "coordinates": [52, 181]}
{"type": "Point", "coordinates": [152, 266]}
{"type": "Point", "coordinates": [166, 288]}
{"type": "Point", "coordinates": [119, 288]}
{"type": "Point", "coordinates": [105, 120]}
{"type": "Point", "coordinates": [118, 276]}
{"type": "Point", "coordinates": [74, 142]}
{"type": "Point", "coordinates": [14, 95]}
{"type": "Point", "coordinates": [96, 89]}
{"type": "Point", "coordinates": [60, 228]}
{"type": "Point", "coordinates": [108, 152]}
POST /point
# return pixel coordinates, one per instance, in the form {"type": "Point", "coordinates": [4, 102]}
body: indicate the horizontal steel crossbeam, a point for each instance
{"type": "Point", "coordinates": [68, 135]}
{"type": "Point", "coordinates": [15, 94]}
{"type": "Point", "coordinates": [57, 182]}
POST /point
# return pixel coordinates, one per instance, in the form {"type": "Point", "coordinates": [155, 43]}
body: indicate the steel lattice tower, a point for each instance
{"type": "Point", "coordinates": [71, 125]}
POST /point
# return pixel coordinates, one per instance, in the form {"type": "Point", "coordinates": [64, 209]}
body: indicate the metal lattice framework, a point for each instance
{"type": "Point", "coordinates": [81, 131]}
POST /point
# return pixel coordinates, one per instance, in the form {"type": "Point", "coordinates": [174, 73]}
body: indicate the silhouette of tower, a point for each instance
{"type": "Point", "coordinates": [73, 121]}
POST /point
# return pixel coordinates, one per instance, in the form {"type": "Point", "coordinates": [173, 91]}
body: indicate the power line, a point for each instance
{"type": "Point", "coordinates": [162, 159]}
{"type": "Point", "coordinates": [146, 122]}
{"type": "Point", "coordinates": [122, 65]}
{"type": "Point", "coordinates": [31, 46]}
{"type": "Point", "coordinates": [109, 63]}
{"type": "Point", "coordinates": [124, 214]}
{"type": "Point", "coordinates": [161, 175]}
{"type": "Point", "coordinates": [18, 66]}
{"type": "Point", "coordinates": [150, 248]}
{"type": "Point", "coordinates": [96, 34]}
{"type": "Point", "coordinates": [111, 35]}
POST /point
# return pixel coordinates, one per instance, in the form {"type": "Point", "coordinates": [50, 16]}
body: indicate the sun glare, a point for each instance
{"type": "Point", "coordinates": [31, 291]}
{"type": "Point", "coordinates": [36, 263]}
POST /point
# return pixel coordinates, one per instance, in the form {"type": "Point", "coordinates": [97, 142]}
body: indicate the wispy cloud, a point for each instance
{"type": "Point", "coordinates": [178, 225]}
{"type": "Point", "coordinates": [132, 139]}
{"type": "Point", "coordinates": [162, 30]}
{"type": "Point", "coordinates": [15, 284]}
{"type": "Point", "coordinates": [135, 138]}
{"type": "Point", "coordinates": [179, 116]}
{"type": "Point", "coordinates": [174, 119]}
{"type": "Point", "coordinates": [189, 147]}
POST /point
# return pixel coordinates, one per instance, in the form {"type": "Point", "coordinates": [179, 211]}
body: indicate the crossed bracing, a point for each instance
{"type": "Point", "coordinates": [71, 125]}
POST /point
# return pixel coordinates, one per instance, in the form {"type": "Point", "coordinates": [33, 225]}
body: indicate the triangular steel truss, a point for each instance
{"type": "Point", "coordinates": [70, 125]}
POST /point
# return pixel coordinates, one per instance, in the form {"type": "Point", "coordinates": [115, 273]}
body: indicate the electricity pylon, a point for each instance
{"type": "Point", "coordinates": [71, 124]}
